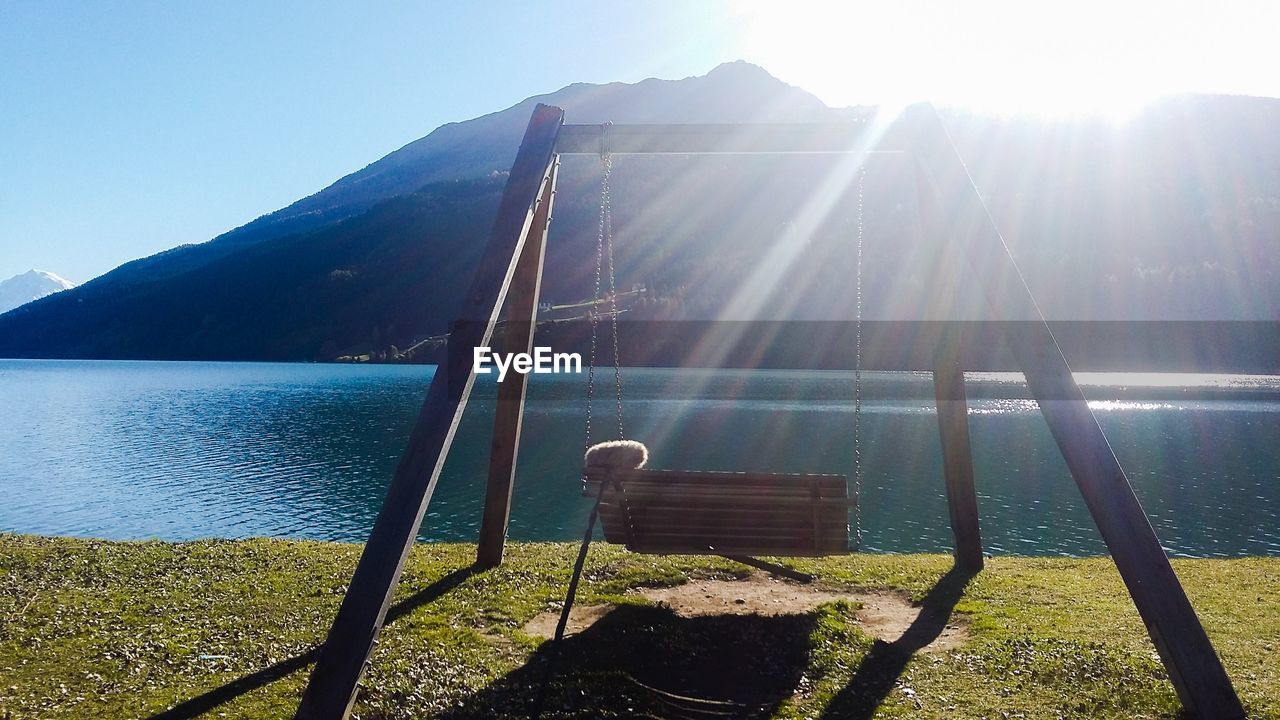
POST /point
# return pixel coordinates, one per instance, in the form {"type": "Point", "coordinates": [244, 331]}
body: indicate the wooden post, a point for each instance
{"type": "Point", "coordinates": [522, 318]}
{"type": "Point", "coordinates": [332, 688]}
{"type": "Point", "coordinates": [948, 195]}
{"type": "Point", "coordinates": [957, 464]}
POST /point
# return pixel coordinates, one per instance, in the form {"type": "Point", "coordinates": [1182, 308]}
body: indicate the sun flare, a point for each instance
{"type": "Point", "coordinates": [1076, 59]}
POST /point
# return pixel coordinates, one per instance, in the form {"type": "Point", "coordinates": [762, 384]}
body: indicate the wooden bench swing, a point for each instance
{"type": "Point", "coordinates": [653, 514]}
{"type": "Point", "coordinates": [733, 514]}
{"type": "Point", "coordinates": [736, 515]}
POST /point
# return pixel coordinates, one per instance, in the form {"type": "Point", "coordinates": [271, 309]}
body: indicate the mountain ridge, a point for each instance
{"type": "Point", "coordinates": [1101, 219]}
{"type": "Point", "coordinates": [501, 130]}
{"type": "Point", "coordinates": [582, 103]}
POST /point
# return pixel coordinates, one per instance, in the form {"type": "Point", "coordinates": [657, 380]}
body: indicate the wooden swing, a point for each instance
{"type": "Point", "coordinates": [951, 212]}
{"type": "Point", "coordinates": [691, 512]}
{"type": "Point", "coordinates": [702, 512]}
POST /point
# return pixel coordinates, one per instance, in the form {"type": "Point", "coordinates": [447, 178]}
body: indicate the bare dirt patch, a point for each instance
{"type": "Point", "coordinates": [883, 614]}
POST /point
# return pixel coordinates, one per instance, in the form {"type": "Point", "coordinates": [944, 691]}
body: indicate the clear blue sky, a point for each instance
{"type": "Point", "coordinates": [128, 128]}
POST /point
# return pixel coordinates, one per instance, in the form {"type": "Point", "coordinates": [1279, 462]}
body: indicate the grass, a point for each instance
{"type": "Point", "coordinates": [94, 629]}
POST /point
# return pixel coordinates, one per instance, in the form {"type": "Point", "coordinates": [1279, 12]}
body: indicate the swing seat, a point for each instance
{"type": "Point", "coordinates": [688, 512]}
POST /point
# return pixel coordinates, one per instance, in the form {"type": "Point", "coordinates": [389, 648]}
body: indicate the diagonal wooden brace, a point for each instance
{"type": "Point", "coordinates": [949, 199]}
{"type": "Point", "coordinates": [332, 689]}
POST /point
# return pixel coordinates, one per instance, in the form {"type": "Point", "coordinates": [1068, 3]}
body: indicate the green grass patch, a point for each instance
{"type": "Point", "coordinates": [124, 630]}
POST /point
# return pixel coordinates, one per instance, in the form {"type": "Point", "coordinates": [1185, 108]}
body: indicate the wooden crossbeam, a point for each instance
{"type": "Point", "coordinates": [749, 138]}
{"type": "Point", "coordinates": [1104, 346]}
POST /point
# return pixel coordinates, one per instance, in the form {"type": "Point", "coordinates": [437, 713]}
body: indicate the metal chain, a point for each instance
{"type": "Point", "coordinates": [606, 202]}
{"type": "Point", "coordinates": [595, 298]}
{"type": "Point", "coordinates": [857, 373]}
{"type": "Point", "coordinates": [604, 238]}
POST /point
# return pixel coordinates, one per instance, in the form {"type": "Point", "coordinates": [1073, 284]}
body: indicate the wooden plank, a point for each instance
{"type": "Point", "coordinates": [957, 464]}
{"type": "Point", "coordinates": [732, 483]}
{"type": "Point", "coordinates": [749, 507]}
{"type": "Point", "coordinates": [709, 497]}
{"type": "Point", "coordinates": [708, 512]}
{"type": "Point", "coordinates": [752, 507]}
{"type": "Point", "coordinates": [739, 530]}
{"type": "Point", "coordinates": [773, 545]}
{"type": "Point", "coordinates": [676, 524]}
{"type": "Point", "coordinates": [690, 530]}
{"type": "Point", "coordinates": [746, 487]}
{"type": "Point", "coordinates": [640, 482]}
{"type": "Point", "coordinates": [750, 138]}
{"type": "Point", "coordinates": [332, 688]}
{"type": "Point", "coordinates": [948, 194]}
{"type": "Point", "coordinates": [743, 482]}
{"type": "Point", "coordinates": [522, 315]}
{"type": "Point", "coordinates": [718, 476]}
{"type": "Point", "coordinates": [726, 498]}
{"type": "Point", "coordinates": [796, 516]}
{"type": "Point", "coordinates": [718, 546]}
{"type": "Point", "coordinates": [1251, 347]}
{"type": "Point", "coordinates": [685, 504]}
{"type": "Point", "coordinates": [741, 535]}
{"type": "Point", "coordinates": [769, 550]}
{"type": "Point", "coordinates": [713, 495]}
{"type": "Point", "coordinates": [719, 539]}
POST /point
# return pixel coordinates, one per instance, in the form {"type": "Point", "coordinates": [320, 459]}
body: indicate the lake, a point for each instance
{"type": "Point", "coordinates": [182, 450]}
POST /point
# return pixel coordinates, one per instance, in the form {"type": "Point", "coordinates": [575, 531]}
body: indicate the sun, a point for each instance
{"type": "Point", "coordinates": [992, 57]}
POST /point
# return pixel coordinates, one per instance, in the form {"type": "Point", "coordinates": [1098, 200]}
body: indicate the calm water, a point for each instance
{"type": "Point", "coordinates": [189, 450]}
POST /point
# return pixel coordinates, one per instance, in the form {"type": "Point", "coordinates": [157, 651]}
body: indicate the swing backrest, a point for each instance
{"type": "Point", "coordinates": [682, 512]}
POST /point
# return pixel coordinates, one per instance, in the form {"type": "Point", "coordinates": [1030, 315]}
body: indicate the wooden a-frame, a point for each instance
{"type": "Point", "coordinates": [951, 211]}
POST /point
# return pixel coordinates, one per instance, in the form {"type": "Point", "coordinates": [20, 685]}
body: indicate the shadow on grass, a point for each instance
{"type": "Point", "coordinates": [640, 661]}
{"type": "Point", "coordinates": [648, 662]}
{"type": "Point", "coordinates": [204, 703]}
{"type": "Point", "coordinates": [883, 665]}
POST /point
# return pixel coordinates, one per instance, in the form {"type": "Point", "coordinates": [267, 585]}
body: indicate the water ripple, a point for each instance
{"type": "Point", "coordinates": [189, 450]}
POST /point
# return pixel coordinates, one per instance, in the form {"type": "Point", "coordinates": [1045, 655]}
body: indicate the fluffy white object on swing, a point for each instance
{"type": "Point", "coordinates": [616, 455]}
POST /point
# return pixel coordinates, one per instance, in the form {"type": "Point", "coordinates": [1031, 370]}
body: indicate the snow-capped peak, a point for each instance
{"type": "Point", "coordinates": [30, 285]}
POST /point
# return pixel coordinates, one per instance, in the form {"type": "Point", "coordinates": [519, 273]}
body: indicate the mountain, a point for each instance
{"type": "Point", "coordinates": [1173, 215]}
{"type": "Point", "coordinates": [476, 148]}
{"type": "Point", "coordinates": [30, 285]}
{"type": "Point", "coordinates": [733, 92]}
